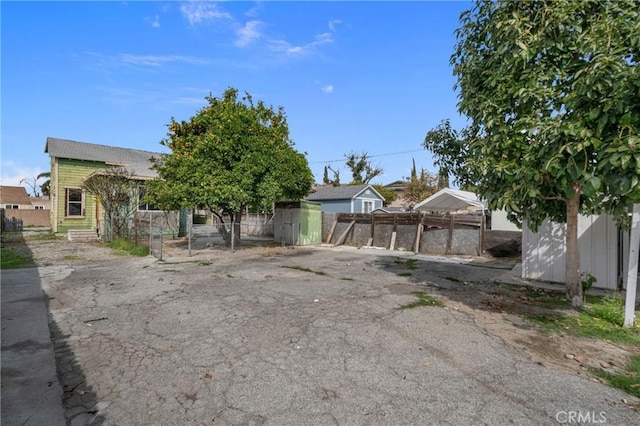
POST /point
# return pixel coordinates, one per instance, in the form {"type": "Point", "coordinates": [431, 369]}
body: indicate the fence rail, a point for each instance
{"type": "Point", "coordinates": [460, 221]}
{"type": "Point", "coordinates": [252, 224]}
{"type": "Point", "coordinates": [416, 231]}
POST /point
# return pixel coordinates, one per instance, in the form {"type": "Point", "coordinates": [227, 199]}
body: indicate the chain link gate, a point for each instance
{"type": "Point", "coordinates": [155, 241]}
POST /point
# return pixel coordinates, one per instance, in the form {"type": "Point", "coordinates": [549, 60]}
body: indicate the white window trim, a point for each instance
{"type": "Point", "coordinates": [66, 203]}
{"type": "Point", "coordinates": [366, 202]}
{"type": "Point", "coordinates": [141, 189]}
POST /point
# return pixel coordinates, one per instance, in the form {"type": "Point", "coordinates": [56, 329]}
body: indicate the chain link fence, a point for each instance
{"type": "Point", "coordinates": [155, 228]}
{"type": "Point", "coordinates": [149, 228]}
{"type": "Point", "coordinates": [155, 241]}
{"type": "Point", "coordinates": [208, 231]}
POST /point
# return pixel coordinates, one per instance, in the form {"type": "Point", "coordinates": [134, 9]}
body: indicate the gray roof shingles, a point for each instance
{"type": "Point", "coordinates": [134, 160]}
{"type": "Point", "coordinates": [346, 192]}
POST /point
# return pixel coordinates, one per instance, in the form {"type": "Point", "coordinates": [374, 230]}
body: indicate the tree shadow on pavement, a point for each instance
{"type": "Point", "coordinates": [36, 358]}
{"type": "Point", "coordinates": [480, 284]}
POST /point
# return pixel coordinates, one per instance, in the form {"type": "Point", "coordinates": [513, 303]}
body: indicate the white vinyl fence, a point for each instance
{"type": "Point", "coordinates": [601, 246]}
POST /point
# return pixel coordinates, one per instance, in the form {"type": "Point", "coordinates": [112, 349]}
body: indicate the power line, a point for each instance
{"type": "Point", "coordinates": [370, 156]}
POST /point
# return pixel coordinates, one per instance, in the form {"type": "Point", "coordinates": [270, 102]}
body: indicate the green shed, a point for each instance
{"type": "Point", "coordinates": [297, 223]}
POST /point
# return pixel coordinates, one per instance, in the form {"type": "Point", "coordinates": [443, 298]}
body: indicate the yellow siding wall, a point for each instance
{"type": "Point", "coordinates": [71, 174]}
{"type": "Point", "coordinates": [53, 195]}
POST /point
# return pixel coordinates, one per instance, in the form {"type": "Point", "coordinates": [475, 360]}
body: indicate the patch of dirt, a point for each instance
{"type": "Point", "coordinates": [46, 249]}
{"type": "Point", "coordinates": [213, 241]}
{"type": "Point", "coordinates": [502, 309]}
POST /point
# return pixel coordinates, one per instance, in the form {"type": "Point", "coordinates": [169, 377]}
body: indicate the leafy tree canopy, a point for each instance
{"type": "Point", "coordinates": [389, 195]}
{"type": "Point", "coordinates": [442, 179]}
{"type": "Point", "coordinates": [551, 92]}
{"type": "Point", "coordinates": [420, 186]}
{"type": "Point", "coordinates": [45, 186]}
{"type": "Point", "coordinates": [362, 170]}
{"type": "Point", "coordinates": [551, 89]}
{"type": "Point", "coordinates": [234, 153]}
{"type": "Point", "coordinates": [326, 180]}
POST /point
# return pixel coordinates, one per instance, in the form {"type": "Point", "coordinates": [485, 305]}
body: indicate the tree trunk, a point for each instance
{"type": "Point", "coordinates": [572, 256]}
{"type": "Point", "coordinates": [236, 227]}
{"type": "Point", "coordinates": [233, 229]}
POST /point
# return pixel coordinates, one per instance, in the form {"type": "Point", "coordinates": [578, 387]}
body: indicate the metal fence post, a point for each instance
{"type": "Point", "coordinates": [233, 230]}
{"type": "Point", "coordinates": [189, 230]}
{"type": "Point", "coordinates": [151, 233]}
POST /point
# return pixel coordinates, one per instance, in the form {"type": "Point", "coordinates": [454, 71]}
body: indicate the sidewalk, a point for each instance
{"type": "Point", "coordinates": [31, 393]}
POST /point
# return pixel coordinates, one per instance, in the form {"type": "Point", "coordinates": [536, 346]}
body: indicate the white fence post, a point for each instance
{"type": "Point", "coordinates": [632, 274]}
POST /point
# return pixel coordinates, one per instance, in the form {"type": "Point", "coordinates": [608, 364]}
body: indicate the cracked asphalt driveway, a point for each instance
{"type": "Point", "coordinates": [290, 337]}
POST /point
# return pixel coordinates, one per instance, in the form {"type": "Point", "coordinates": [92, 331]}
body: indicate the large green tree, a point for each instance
{"type": "Point", "coordinates": [552, 93]}
{"type": "Point", "coordinates": [233, 154]}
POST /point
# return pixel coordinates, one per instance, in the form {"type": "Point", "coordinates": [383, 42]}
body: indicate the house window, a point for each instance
{"type": "Point", "coordinates": [73, 205]}
{"type": "Point", "coordinates": [144, 206]}
{"type": "Point", "coordinates": [367, 206]}
{"type": "Point", "coordinates": [11, 206]}
{"type": "Point", "coordinates": [37, 207]}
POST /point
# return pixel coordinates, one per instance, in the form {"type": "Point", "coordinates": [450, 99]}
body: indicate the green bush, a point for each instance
{"type": "Point", "coordinates": [129, 247]}
{"type": "Point", "coordinates": [610, 309]}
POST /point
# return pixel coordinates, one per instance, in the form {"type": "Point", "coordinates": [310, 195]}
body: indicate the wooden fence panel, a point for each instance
{"type": "Point", "coordinates": [458, 234]}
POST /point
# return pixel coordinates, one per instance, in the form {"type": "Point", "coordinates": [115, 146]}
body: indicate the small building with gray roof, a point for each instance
{"type": "Point", "coordinates": [347, 199]}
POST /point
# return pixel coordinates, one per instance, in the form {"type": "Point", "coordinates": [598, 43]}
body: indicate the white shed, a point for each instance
{"type": "Point", "coordinates": [602, 248]}
{"type": "Point", "coordinates": [499, 221]}
{"type": "Point", "coordinates": [451, 200]}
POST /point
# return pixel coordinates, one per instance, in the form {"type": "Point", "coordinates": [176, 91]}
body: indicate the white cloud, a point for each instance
{"type": "Point", "coordinates": [126, 96]}
{"type": "Point", "coordinates": [251, 32]}
{"type": "Point", "coordinates": [154, 96]}
{"type": "Point", "coordinates": [323, 38]}
{"type": "Point", "coordinates": [327, 88]}
{"type": "Point", "coordinates": [286, 47]}
{"type": "Point", "coordinates": [13, 173]}
{"type": "Point", "coordinates": [248, 33]}
{"type": "Point", "coordinates": [333, 23]}
{"type": "Point", "coordinates": [188, 100]}
{"type": "Point", "coordinates": [196, 12]}
{"type": "Point", "coordinates": [254, 11]}
{"type": "Point", "coordinates": [157, 60]}
{"type": "Point", "coordinates": [104, 62]}
{"type": "Point", "coordinates": [154, 22]}
{"type": "Point", "coordinates": [283, 46]}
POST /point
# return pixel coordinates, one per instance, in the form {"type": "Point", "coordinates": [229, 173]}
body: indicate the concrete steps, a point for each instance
{"type": "Point", "coordinates": [82, 235]}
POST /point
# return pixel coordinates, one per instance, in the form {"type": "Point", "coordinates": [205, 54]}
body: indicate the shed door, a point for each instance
{"type": "Point", "coordinates": [290, 225]}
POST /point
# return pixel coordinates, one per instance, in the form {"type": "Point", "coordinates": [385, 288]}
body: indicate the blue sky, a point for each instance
{"type": "Point", "coordinates": [352, 76]}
